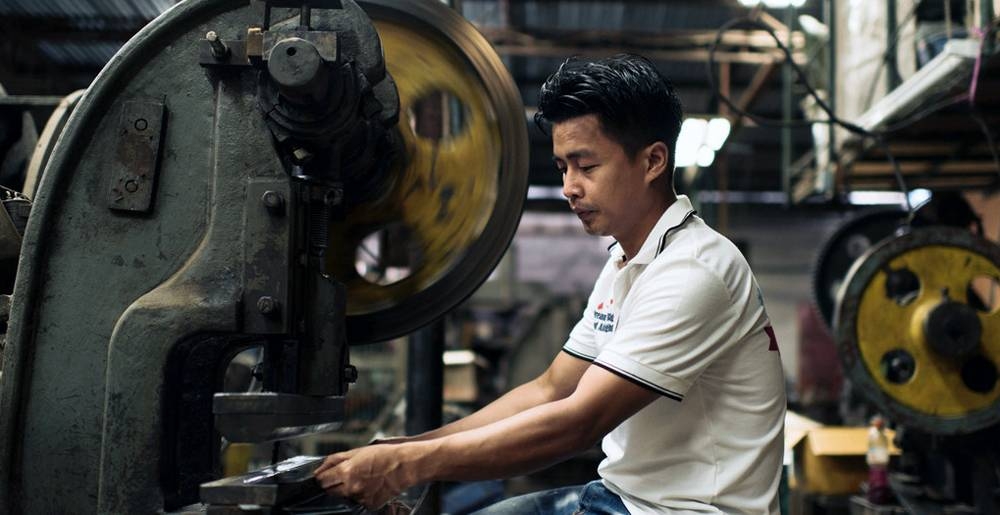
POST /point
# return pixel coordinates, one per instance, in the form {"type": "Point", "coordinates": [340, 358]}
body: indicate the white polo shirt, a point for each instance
{"type": "Point", "coordinates": [685, 318]}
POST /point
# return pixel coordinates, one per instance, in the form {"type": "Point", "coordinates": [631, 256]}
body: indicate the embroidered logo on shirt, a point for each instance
{"type": "Point", "coordinates": [604, 322]}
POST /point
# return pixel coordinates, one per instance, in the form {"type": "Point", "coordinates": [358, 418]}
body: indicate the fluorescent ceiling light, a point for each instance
{"type": "Point", "coordinates": [705, 156]}
{"type": "Point", "coordinates": [872, 198]}
{"type": "Point", "coordinates": [699, 140]}
{"type": "Point", "coordinates": [916, 197]}
{"type": "Point", "coordinates": [718, 131]}
{"type": "Point", "coordinates": [774, 4]}
{"type": "Point", "coordinates": [813, 26]}
{"type": "Point", "coordinates": [919, 196]}
{"type": "Point", "coordinates": [545, 193]}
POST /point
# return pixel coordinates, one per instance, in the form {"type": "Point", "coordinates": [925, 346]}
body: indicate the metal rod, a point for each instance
{"type": "Point", "coordinates": [425, 379]}
{"type": "Point", "coordinates": [830, 13]}
{"type": "Point", "coordinates": [985, 22]}
{"type": "Point", "coordinates": [722, 160]}
{"type": "Point", "coordinates": [305, 16]}
{"type": "Point", "coordinates": [425, 393]}
{"type": "Point", "coordinates": [786, 114]}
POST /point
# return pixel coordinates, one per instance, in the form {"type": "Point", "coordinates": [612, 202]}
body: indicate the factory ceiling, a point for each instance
{"type": "Point", "coordinates": [55, 47]}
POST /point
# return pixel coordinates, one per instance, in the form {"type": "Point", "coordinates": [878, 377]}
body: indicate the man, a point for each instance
{"type": "Point", "coordinates": [673, 364]}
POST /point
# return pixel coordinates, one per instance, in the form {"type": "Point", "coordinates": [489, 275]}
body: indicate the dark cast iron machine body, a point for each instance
{"type": "Point", "coordinates": [208, 195]}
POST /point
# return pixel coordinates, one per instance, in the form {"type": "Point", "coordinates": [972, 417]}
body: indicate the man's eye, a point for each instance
{"type": "Point", "coordinates": [588, 167]}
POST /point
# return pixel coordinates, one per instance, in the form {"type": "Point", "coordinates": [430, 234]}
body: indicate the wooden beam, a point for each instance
{"type": "Point", "coordinates": [658, 40]}
{"type": "Point", "coordinates": [932, 149]}
{"type": "Point", "coordinates": [556, 50]}
{"type": "Point", "coordinates": [973, 182]}
{"type": "Point", "coordinates": [876, 168]}
{"type": "Point", "coordinates": [749, 96]}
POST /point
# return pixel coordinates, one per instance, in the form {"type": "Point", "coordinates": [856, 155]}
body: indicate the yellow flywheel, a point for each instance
{"type": "Point", "coordinates": [919, 329]}
{"type": "Point", "coordinates": [456, 190]}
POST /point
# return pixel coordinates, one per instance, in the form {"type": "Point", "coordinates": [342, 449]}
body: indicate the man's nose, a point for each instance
{"type": "Point", "coordinates": [571, 188]}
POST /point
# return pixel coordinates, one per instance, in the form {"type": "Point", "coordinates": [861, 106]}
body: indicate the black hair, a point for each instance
{"type": "Point", "coordinates": [635, 104]}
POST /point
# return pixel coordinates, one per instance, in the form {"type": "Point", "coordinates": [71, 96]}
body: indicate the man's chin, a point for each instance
{"type": "Point", "coordinates": [594, 230]}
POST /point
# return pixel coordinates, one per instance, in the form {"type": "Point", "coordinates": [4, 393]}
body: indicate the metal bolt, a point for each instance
{"type": "Point", "coordinates": [267, 305]}
{"type": "Point", "coordinates": [351, 374]}
{"type": "Point", "coordinates": [301, 155]}
{"type": "Point", "coordinates": [131, 186]}
{"type": "Point", "coordinates": [219, 49]}
{"type": "Point", "coordinates": [141, 124]}
{"type": "Point", "coordinates": [334, 197]}
{"type": "Point", "coordinates": [273, 200]}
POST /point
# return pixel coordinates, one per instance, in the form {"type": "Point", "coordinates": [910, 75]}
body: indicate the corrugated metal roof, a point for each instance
{"type": "Point", "coordinates": [87, 14]}
{"type": "Point", "coordinates": [534, 15]}
{"type": "Point", "coordinates": [78, 54]}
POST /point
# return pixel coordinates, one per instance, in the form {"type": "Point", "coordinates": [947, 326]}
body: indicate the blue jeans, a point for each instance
{"type": "Point", "coordinates": [589, 499]}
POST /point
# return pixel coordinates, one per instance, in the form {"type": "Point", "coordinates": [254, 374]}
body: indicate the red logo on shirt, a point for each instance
{"type": "Point", "coordinates": [774, 340]}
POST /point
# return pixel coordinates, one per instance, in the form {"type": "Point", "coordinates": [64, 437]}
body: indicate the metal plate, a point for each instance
{"type": "Point", "coordinates": [461, 198]}
{"type": "Point", "coordinates": [869, 326]}
{"type": "Point", "coordinates": [134, 168]}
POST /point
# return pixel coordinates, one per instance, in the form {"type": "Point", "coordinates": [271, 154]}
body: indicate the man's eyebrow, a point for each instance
{"type": "Point", "coordinates": [576, 154]}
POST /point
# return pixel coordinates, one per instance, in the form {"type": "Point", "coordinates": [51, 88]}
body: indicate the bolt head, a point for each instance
{"type": "Point", "coordinates": [272, 200]}
{"type": "Point", "coordinates": [351, 374]}
{"type": "Point", "coordinates": [301, 155]}
{"type": "Point", "coordinates": [267, 305]}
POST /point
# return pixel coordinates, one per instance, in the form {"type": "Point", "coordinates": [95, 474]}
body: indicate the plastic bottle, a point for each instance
{"type": "Point", "coordinates": [878, 463]}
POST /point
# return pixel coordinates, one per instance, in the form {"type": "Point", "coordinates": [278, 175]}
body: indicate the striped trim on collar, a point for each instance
{"type": "Point", "coordinates": [668, 232]}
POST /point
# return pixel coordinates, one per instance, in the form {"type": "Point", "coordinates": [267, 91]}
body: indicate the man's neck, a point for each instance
{"type": "Point", "coordinates": [633, 242]}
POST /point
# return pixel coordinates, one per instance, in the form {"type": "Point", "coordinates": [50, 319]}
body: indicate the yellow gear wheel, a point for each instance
{"type": "Point", "coordinates": [453, 202]}
{"type": "Point", "coordinates": [917, 336]}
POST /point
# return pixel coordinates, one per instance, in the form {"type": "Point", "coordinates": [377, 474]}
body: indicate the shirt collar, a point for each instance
{"type": "Point", "coordinates": [675, 216]}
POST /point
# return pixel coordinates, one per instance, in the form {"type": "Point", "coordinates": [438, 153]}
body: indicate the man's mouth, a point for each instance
{"type": "Point", "coordinates": [584, 214]}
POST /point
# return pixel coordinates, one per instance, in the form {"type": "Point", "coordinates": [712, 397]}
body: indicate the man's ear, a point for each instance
{"type": "Point", "coordinates": [656, 161]}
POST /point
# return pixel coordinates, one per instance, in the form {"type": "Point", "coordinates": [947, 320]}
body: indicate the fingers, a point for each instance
{"type": "Point", "coordinates": [330, 462]}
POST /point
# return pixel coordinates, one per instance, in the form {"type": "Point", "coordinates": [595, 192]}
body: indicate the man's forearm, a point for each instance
{"type": "Point", "coordinates": [527, 441]}
{"type": "Point", "coordinates": [519, 399]}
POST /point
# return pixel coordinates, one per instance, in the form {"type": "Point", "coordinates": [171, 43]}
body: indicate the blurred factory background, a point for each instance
{"type": "Point", "coordinates": [802, 199]}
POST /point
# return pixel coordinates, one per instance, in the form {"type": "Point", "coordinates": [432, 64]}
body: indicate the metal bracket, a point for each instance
{"type": "Point", "coordinates": [267, 253]}
{"type": "Point", "coordinates": [133, 171]}
{"type": "Point", "coordinates": [256, 49]}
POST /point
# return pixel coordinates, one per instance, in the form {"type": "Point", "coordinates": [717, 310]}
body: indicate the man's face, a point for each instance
{"type": "Point", "coordinates": [604, 187]}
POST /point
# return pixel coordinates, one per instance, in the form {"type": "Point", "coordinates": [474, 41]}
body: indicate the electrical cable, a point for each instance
{"type": "Point", "coordinates": [878, 136]}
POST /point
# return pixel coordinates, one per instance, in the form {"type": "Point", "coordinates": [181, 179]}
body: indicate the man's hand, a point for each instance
{"type": "Point", "coordinates": [370, 475]}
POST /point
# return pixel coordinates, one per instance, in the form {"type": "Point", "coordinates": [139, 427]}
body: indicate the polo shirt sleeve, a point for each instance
{"type": "Point", "coordinates": [677, 325]}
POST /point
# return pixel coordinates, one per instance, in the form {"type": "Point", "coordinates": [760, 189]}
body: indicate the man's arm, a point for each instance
{"type": "Point", "coordinates": [557, 382]}
{"type": "Point", "coordinates": [532, 439]}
